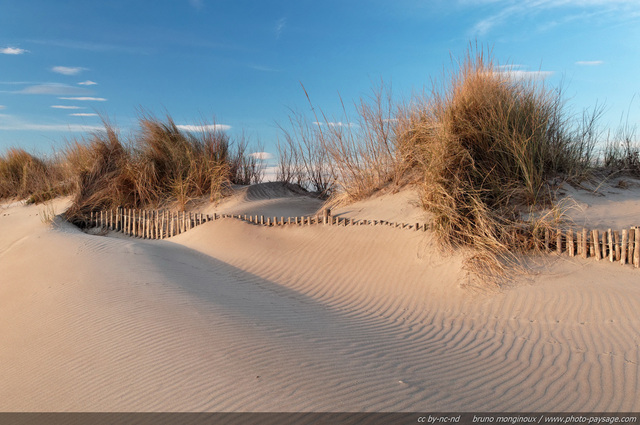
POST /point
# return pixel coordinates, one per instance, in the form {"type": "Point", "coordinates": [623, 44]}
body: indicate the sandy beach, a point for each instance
{"type": "Point", "coordinates": [236, 317]}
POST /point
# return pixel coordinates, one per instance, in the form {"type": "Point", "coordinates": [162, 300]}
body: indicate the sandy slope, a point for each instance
{"type": "Point", "coordinates": [230, 316]}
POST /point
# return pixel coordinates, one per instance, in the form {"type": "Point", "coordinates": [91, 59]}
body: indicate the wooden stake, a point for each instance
{"type": "Point", "coordinates": [623, 248]}
{"type": "Point", "coordinates": [559, 241]}
{"type": "Point", "coordinates": [570, 246]}
{"type": "Point", "coordinates": [632, 238]}
{"type": "Point", "coordinates": [595, 244]}
{"type": "Point", "coordinates": [612, 248]}
{"type": "Point", "coordinates": [585, 253]}
{"type": "Point", "coordinates": [546, 239]}
{"type": "Point", "coordinates": [636, 251]}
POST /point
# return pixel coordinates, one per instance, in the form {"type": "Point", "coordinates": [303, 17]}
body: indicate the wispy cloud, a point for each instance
{"type": "Point", "coordinates": [68, 70]}
{"type": "Point", "coordinates": [83, 99]}
{"type": "Point", "coordinates": [13, 123]}
{"type": "Point", "coordinates": [206, 127]}
{"type": "Point", "coordinates": [510, 11]}
{"type": "Point", "coordinates": [520, 72]}
{"type": "Point", "coordinates": [589, 63]}
{"type": "Point", "coordinates": [335, 124]}
{"type": "Point", "coordinates": [67, 107]}
{"type": "Point", "coordinates": [81, 114]}
{"type": "Point", "coordinates": [87, 83]}
{"type": "Point", "coordinates": [55, 89]}
{"type": "Point", "coordinates": [282, 22]}
{"type": "Point", "coordinates": [88, 45]}
{"type": "Point", "coordinates": [12, 51]}
{"type": "Point", "coordinates": [261, 155]}
{"type": "Point", "coordinates": [3, 107]}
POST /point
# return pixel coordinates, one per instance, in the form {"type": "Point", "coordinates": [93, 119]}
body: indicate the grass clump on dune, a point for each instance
{"type": "Point", "coordinates": [486, 145]}
{"type": "Point", "coordinates": [159, 165]}
{"type": "Point", "coordinates": [25, 176]}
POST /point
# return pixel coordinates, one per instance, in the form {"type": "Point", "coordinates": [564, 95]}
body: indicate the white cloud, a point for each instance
{"type": "Point", "coordinates": [198, 4]}
{"type": "Point", "coordinates": [518, 74]}
{"type": "Point", "coordinates": [589, 63]}
{"type": "Point", "coordinates": [261, 155]}
{"type": "Point", "coordinates": [3, 107]}
{"type": "Point", "coordinates": [12, 51]}
{"type": "Point", "coordinates": [270, 174]}
{"type": "Point", "coordinates": [53, 89]}
{"type": "Point", "coordinates": [96, 99]}
{"type": "Point", "coordinates": [13, 123]}
{"type": "Point", "coordinates": [87, 83]}
{"type": "Point", "coordinates": [68, 70]}
{"type": "Point", "coordinates": [66, 107]}
{"type": "Point", "coordinates": [80, 114]}
{"type": "Point", "coordinates": [206, 127]}
{"type": "Point", "coordinates": [335, 124]}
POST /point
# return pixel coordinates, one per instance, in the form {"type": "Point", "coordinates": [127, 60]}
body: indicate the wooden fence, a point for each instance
{"type": "Point", "coordinates": [616, 246]}
{"type": "Point", "coordinates": [161, 224]}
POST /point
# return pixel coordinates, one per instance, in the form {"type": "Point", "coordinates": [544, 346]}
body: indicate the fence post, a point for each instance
{"type": "Point", "coordinates": [595, 244]}
{"type": "Point", "coordinates": [612, 248]}
{"type": "Point", "coordinates": [623, 248]}
{"type": "Point", "coordinates": [559, 241]}
{"type": "Point", "coordinates": [636, 251]}
{"type": "Point", "coordinates": [570, 247]}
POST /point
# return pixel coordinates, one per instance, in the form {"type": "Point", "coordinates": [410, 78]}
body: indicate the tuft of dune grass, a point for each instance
{"type": "Point", "coordinates": [159, 165]}
{"type": "Point", "coordinates": [486, 146]}
{"type": "Point", "coordinates": [25, 176]}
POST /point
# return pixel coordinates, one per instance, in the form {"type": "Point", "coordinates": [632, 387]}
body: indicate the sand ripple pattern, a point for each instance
{"type": "Point", "coordinates": [233, 317]}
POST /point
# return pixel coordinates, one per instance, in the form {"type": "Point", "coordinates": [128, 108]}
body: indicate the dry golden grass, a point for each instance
{"type": "Point", "coordinates": [25, 176]}
{"type": "Point", "coordinates": [160, 165]}
{"type": "Point", "coordinates": [486, 146]}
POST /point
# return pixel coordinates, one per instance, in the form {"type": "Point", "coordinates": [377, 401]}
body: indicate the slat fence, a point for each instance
{"type": "Point", "coordinates": [621, 246]}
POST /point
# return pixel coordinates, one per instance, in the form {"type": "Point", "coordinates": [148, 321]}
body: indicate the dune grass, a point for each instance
{"type": "Point", "coordinates": [26, 176]}
{"type": "Point", "coordinates": [159, 165]}
{"type": "Point", "coordinates": [345, 158]}
{"type": "Point", "coordinates": [488, 147]}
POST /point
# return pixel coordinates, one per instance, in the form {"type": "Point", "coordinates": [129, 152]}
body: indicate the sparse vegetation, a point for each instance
{"type": "Point", "coordinates": [486, 146]}
{"type": "Point", "coordinates": [160, 164]}
{"type": "Point", "coordinates": [25, 176]}
{"type": "Point", "coordinates": [622, 152]}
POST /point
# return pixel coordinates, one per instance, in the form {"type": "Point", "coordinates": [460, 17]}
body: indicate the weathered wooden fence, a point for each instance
{"type": "Point", "coordinates": [616, 246]}
{"type": "Point", "coordinates": [160, 224]}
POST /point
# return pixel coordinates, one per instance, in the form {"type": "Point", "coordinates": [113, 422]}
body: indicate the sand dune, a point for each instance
{"type": "Point", "coordinates": [235, 317]}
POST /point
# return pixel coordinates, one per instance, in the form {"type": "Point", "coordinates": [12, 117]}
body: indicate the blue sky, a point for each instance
{"type": "Point", "coordinates": [242, 62]}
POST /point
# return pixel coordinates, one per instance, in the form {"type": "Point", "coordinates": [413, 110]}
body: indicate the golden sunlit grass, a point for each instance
{"type": "Point", "coordinates": [25, 176]}
{"type": "Point", "coordinates": [160, 165]}
{"type": "Point", "coordinates": [486, 145]}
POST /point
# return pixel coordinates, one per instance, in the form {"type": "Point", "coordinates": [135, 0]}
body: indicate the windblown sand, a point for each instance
{"type": "Point", "coordinates": [235, 317]}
